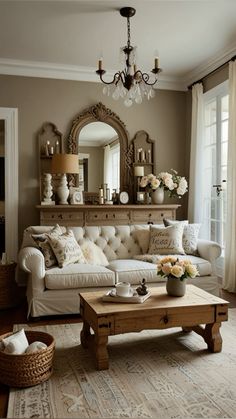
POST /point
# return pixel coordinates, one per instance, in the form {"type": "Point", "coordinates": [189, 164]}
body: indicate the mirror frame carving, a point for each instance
{"type": "Point", "coordinates": [101, 113]}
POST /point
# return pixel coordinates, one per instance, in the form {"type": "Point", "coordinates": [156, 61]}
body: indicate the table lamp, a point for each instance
{"type": "Point", "coordinates": [63, 164]}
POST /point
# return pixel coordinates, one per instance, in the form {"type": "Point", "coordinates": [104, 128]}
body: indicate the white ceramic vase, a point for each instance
{"type": "Point", "coordinates": [158, 196]}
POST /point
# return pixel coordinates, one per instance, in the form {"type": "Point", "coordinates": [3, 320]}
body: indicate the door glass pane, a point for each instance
{"type": "Point", "coordinates": [210, 113]}
{"type": "Point", "coordinates": [225, 107]}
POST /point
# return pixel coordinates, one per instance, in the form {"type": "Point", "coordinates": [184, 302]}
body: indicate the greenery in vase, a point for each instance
{"type": "Point", "coordinates": [172, 267]}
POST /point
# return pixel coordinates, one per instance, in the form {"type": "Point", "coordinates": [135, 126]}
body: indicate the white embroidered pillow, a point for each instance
{"type": "Point", "coordinates": [93, 254]}
{"type": "Point", "coordinates": [166, 240]}
{"type": "Point", "coordinates": [143, 237]}
{"type": "Point", "coordinates": [190, 238]}
{"type": "Point", "coordinates": [43, 244]}
{"type": "Point", "coordinates": [190, 235]}
{"type": "Point", "coordinates": [66, 249]}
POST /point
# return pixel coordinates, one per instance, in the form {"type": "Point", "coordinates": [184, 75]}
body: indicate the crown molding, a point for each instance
{"type": "Point", "coordinates": [210, 65]}
{"type": "Point", "coordinates": [72, 72]}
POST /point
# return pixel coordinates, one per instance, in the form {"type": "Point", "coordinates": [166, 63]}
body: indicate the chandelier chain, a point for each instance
{"type": "Point", "coordinates": [128, 32]}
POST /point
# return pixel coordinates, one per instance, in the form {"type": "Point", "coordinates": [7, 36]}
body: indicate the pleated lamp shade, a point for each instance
{"type": "Point", "coordinates": [65, 163]}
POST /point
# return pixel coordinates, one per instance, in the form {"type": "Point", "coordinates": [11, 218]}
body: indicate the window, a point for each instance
{"type": "Point", "coordinates": [215, 147]}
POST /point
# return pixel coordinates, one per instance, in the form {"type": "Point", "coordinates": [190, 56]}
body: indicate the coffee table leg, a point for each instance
{"type": "Point", "coordinates": [85, 335]}
{"type": "Point", "coordinates": [101, 352]}
{"type": "Point", "coordinates": [213, 337]}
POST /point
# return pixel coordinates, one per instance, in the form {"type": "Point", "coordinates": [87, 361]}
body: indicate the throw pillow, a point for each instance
{"type": "Point", "coordinates": [16, 343]}
{"type": "Point", "coordinates": [43, 244]}
{"type": "Point", "coordinates": [148, 258]}
{"type": "Point", "coordinates": [190, 235]}
{"type": "Point", "coordinates": [143, 237]}
{"type": "Point", "coordinates": [166, 241]}
{"type": "Point", "coordinates": [66, 249]}
{"type": "Point", "coordinates": [93, 254]}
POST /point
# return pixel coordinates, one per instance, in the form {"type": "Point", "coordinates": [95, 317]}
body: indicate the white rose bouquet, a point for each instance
{"type": "Point", "coordinates": [172, 182]}
{"type": "Point", "coordinates": [172, 267]}
{"type": "Point", "coordinates": [175, 184]}
{"type": "Point", "coordinates": [150, 182]}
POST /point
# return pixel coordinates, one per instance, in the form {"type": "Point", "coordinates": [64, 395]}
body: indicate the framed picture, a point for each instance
{"type": "Point", "coordinates": [76, 196]}
{"type": "Point", "coordinates": [140, 197]}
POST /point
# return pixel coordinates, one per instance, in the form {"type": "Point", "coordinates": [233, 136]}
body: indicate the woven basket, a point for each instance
{"type": "Point", "coordinates": [28, 369]}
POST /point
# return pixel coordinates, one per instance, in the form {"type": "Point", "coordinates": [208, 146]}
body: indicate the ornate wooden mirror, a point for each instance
{"type": "Point", "coordinates": [101, 124]}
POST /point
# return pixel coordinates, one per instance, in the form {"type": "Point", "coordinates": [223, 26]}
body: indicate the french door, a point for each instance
{"type": "Point", "coordinates": [215, 148]}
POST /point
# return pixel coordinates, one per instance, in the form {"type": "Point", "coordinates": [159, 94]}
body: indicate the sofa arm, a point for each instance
{"type": "Point", "coordinates": [210, 251]}
{"type": "Point", "coordinates": [31, 260]}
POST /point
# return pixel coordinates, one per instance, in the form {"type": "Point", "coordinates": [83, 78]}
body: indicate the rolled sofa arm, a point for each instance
{"type": "Point", "coordinates": [210, 251]}
{"type": "Point", "coordinates": [31, 260]}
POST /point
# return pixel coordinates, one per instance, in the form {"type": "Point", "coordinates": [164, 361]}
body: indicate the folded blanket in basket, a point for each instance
{"type": "Point", "coordinates": [16, 343]}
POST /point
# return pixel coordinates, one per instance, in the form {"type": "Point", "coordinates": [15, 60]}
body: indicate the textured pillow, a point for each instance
{"type": "Point", "coordinates": [66, 249]}
{"type": "Point", "coordinates": [190, 235]}
{"type": "Point", "coordinates": [148, 258]}
{"type": "Point", "coordinates": [93, 254]}
{"type": "Point", "coordinates": [43, 244]}
{"type": "Point", "coordinates": [166, 240]}
{"type": "Point", "coordinates": [16, 343]}
{"type": "Point", "coordinates": [143, 237]}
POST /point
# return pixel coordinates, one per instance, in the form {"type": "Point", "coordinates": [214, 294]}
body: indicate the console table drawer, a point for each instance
{"type": "Point", "coordinates": [152, 215]}
{"type": "Point", "coordinates": [108, 216]}
{"type": "Point", "coordinates": [61, 216]}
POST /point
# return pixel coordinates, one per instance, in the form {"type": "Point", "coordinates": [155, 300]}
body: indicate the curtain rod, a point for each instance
{"type": "Point", "coordinates": [212, 72]}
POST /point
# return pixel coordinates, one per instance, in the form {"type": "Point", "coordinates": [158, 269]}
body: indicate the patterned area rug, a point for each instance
{"type": "Point", "coordinates": [161, 374]}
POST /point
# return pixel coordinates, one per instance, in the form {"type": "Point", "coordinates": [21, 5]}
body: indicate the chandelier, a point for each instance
{"type": "Point", "coordinates": [130, 84]}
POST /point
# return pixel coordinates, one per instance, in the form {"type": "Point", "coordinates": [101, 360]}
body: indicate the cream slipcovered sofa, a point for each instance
{"type": "Point", "coordinates": [56, 290]}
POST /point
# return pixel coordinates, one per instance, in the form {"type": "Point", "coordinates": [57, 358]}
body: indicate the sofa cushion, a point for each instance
{"type": "Point", "coordinates": [66, 249]}
{"type": "Point", "coordinates": [166, 240]}
{"type": "Point", "coordinates": [93, 254]}
{"type": "Point", "coordinates": [143, 237]}
{"type": "Point", "coordinates": [133, 271]}
{"type": "Point", "coordinates": [203, 266]}
{"type": "Point", "coordinates": [79, 276]}
{"type": "Point", "coordinates": [28, 241]}
{"type": "Point", "coordinates": [42, 241]}
{"type": "Point", "coordinates": [190, 235]}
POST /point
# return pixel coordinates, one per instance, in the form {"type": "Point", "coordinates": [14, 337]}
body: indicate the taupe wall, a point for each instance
{"type": "Point", "coordinates": [39, 100]}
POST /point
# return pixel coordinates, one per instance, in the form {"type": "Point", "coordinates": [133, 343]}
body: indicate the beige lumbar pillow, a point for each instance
{"type": "Point", "coordinates": [66, 249]}
{"type": "Point", "coordinates": [166, 240]}
{"type": "Point", "coordinates": [93, 254]}
{"type": "Point", "coordinates": [143, 237]}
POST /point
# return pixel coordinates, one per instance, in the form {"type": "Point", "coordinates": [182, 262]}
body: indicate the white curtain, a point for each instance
{"type": "Point", "coordinates": [196, 181]}
{"type": "Point", "coordinates": [107, 166]}
{"type": "Point", "coordinates": [229, 281]}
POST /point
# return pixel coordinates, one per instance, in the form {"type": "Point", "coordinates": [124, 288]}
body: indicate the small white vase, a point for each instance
{"type": "Point", "coordinates": [158, 196]}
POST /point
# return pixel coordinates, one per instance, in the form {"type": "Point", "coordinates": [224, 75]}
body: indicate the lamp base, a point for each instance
{"type": "Point", "coordinates": [63, 191]}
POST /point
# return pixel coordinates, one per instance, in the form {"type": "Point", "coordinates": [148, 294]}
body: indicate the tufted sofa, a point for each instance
{"type": "Point", "coordinates": [56, 290]}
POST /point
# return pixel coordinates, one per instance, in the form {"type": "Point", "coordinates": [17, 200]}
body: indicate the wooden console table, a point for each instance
{"type": "Point", "coordinates": [82, 215]}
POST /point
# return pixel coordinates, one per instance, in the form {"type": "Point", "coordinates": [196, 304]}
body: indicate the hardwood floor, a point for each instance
{"type": "Point", "coordinates": [18, 314]}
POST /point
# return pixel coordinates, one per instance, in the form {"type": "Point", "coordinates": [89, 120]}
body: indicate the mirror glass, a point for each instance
{"type": "Point", "coordinates": [99, 157]}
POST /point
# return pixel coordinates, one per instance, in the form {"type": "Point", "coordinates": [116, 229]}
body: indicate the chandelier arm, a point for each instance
{"type": "Point", "coordinates": [145, 78]}
{"type": "Point", "coordinates": [117, 76]}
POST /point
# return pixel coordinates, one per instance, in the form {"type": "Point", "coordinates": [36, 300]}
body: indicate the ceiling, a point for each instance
{"type": "Point", "coordinates": [64, 39]}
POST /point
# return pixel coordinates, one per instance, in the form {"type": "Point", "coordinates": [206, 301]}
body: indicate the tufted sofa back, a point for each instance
{"type": "Point", "coordinates": [117, 242]}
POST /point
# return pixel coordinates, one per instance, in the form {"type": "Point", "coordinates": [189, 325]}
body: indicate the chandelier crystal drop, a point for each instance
{"type": "Point", "coordinates": [130, 83]}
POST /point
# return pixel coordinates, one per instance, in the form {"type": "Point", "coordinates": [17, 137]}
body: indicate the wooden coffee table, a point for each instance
{"type": "Point", "coordinates": [159, 311]}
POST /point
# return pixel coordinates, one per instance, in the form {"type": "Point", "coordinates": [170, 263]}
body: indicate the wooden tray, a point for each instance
{"type": "Point", "coordinates": [111, 297]}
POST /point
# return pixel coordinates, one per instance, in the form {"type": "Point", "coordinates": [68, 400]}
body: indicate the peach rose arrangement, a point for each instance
{"type": "Point", "coordinates": [172, 267]}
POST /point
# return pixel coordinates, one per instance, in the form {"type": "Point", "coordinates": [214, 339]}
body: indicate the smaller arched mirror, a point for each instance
{"type": "Point", "coordinates": [99, 127]}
